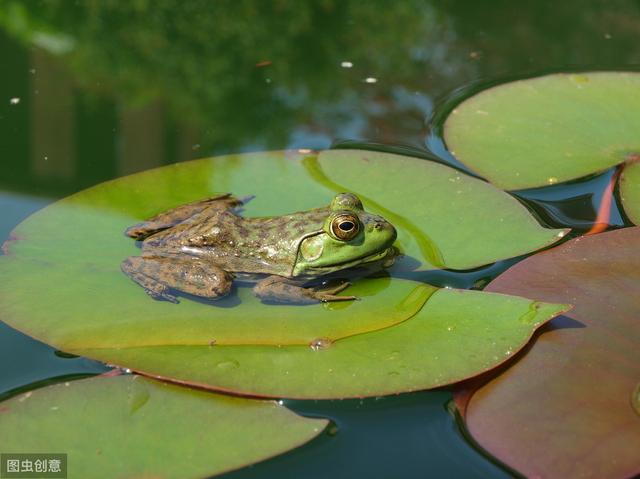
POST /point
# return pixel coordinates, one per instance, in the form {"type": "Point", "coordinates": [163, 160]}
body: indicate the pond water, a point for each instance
{"type": "Point", "coordinates": [91, 91]}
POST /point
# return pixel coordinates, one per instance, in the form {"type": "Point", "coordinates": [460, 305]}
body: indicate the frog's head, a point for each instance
{"type": "Point", "coordinates": [349, 237]}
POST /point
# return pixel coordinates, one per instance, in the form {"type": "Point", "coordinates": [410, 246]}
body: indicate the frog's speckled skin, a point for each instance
{"type": "Point", "coordinates": [200, 247]}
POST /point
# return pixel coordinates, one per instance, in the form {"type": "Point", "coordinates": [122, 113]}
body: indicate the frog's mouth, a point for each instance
{"type": "Point", "coordinates": [385, 257]}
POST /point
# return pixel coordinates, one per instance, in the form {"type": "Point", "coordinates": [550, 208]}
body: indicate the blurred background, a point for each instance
{"type": "Point", "coordinates": [91, 90]}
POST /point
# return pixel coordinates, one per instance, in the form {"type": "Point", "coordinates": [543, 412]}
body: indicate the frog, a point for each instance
{"type": "Point", "coordinates": [202, 248]}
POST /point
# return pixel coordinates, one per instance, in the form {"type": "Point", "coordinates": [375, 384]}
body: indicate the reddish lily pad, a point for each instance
{"type": "Point", "coordinates": [569, 406]}
{"type": "Point", "coordinates": [107, 426]}
{"type": "Point", "coordinates": [62, 281]}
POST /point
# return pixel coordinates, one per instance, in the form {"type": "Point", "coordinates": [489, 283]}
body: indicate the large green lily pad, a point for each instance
{"type": "Point", "coordinates": [445, 219]}
{"type": "Point", "coordinates": [123, 316]}
{"type": "Point", "coordinates": [62, 283]}
{"type": "Point", "coordinates": [549, 129]}
{"type": "Point", "coordinates": [127, 426]}
{"type": "Point", "coordinates": [569, 407]}
{"type": "Point", "coordinates": [456, 335]}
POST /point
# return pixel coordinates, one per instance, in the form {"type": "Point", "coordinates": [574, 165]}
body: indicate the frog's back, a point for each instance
{"type": "Point", "coordinates": [267, 245]}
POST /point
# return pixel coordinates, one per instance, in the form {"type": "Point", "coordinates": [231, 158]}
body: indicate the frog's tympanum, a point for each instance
{"type": "Point", "coordinates": [200, 248]}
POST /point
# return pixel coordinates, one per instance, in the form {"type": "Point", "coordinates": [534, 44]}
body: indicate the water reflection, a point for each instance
{"type": "Point", "coordinates": [574, 204]}
{"type": "Point", "coordinates": [107, 89]}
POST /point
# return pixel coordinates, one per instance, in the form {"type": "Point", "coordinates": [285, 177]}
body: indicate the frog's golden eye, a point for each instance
{"type": "Point", "coordinates": [345, 227]}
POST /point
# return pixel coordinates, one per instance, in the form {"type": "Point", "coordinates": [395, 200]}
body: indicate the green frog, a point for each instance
{"type": "Point", "coordinates": [200, 248]}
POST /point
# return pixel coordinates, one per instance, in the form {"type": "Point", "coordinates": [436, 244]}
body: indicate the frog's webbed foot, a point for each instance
{"type": "Point", "coordinates": [335, 290]}
{"type": "Point", "coordinates": [276, 289]}
{"type": "Point", "coordinates": [177, 215]}
{"type": "Point", "coordinates": [158, 276]}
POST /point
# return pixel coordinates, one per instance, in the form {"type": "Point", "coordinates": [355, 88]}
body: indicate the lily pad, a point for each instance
{"type": "Point", "coordinates": [569, 406]}
{"type": "Point", "coordinates": [445, 218]}
{"type": "Point", "coordinates": [127, 317]}
{"type": "Point", "coordinates": [62, 281]}
{"type": "Point", "coordinates": [456, 335]}
{"type": "Point", "coordinates": [630, 190]}
{"type": "Point", "coordinates": [549, 129]}
{"type": "Point", "coordinates": [108, 425]}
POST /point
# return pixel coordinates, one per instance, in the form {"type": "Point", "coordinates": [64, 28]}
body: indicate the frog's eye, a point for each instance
{"type": "Point", "coordinates": [345, 227]}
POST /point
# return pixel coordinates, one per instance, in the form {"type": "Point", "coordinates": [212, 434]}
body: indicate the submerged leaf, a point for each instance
{"type": "Point", "coordinates": [568, 407]}
{"type": "Point", "coordinates": [107, 426]}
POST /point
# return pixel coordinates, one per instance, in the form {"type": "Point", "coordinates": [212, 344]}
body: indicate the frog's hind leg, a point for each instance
{"type": "Point", "coordinates": [177, 215]}
{"type": "Point", "coordinates": [158, 276]}
{"type": "Point", "coordinates": [276, 289]}
{"type": "Point", "coordinates": [139, 272]}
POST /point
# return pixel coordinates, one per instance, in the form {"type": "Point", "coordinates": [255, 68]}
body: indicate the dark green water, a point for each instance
{"type": "Point", "coordinates": [93, 90]}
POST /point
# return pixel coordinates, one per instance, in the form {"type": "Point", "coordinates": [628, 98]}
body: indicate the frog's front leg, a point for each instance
{"type": "Point", "coordinates": [177, 215]}
{"type": "Point", "coordinates": [277, 289]}
{"type": "Point", "coordinates": [158, 275]}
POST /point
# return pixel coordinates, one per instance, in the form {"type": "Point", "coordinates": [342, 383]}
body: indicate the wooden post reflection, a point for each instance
{"type": "Point", "coordinates": [188, 146]}
{"type": "Point", "coordinates": [141, 138]}
{"type": "Point", "coordinates": [52, 133]}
